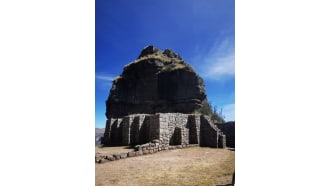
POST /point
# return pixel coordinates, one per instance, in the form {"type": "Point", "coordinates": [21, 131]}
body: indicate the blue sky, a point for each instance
{"type": "Point", "coordinates": [202, 32]}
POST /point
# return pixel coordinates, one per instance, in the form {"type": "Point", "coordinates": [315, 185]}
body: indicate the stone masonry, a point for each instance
{"type": "Point", "coordinates": [169, 129]}
{"type": "Point", "coordinates": [228, 129]}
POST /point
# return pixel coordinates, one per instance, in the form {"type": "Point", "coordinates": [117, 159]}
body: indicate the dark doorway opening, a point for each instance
{"type": "Point", "coordinates": [176, 138]}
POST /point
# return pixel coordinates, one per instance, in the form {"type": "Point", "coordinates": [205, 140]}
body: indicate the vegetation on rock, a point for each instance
{"type": "Point", "coordinates": [211, 111]}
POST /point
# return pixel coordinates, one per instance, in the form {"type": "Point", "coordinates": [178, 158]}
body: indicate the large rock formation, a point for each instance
{"type": "Point", "coordinates": [156, 82]}
{"type": "Point", "coordinates": [159, 97]}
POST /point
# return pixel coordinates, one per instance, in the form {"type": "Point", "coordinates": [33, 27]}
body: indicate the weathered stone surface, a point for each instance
{"type": "Point", "coordinates": [209, 133]}
{"type": "Point", "coordinates": [99, 160]}
{"type": "Point", "coordinates": [123, 155]}
{"type": "Point", "coordinates": [138, 153]}
{"type": "Point", "coordinates": [164, 129]}
{"type": "Point", "coordinates": [116, 156]}
{"type": "Point", "coordinates": [131, 154]}
{"type": "Point", "coordinates": [179, 146]}
{"type": "Point", "coordinates": [110, 158]}
{"type": "Point", "coordinates": [150, 50]}
{"type": "Point", "coordinates": [156, 141]}
{"type": "Point", "coordinates": [171, 54]}
{"type": "Point", "coordinates": [137, 147]}
{"type": "Point", "coordinates": [228, 129]}
{"type": "Point", "coordinates": [156, 82]}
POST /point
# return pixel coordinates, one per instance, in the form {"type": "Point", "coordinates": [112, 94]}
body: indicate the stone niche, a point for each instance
{"type": "Point", "coordinates": [170, 129]}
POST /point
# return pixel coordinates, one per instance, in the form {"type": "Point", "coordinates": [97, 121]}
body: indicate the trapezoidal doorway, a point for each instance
{"type": "Point", "coordinates": [176, 138]}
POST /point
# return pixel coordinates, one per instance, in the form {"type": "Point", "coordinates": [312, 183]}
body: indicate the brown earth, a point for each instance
{"type": "Point", "coordinates": [189, 166]}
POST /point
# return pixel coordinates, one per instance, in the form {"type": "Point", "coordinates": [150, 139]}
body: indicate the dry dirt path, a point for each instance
{"type": "Point", "coordinates": [189, 166]}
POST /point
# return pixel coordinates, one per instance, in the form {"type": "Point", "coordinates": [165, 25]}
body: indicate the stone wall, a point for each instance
{"type": "Point", "coordinates": [194, 129]}
{"type": "Point", "coordinates": [228, 129]}
{"type": "Point", "coordinates": [171, 129]}
{"type": "Point", "coordinates": [139, 150]}
{"type": "Point", "coordinates": [106, 136]}
{"type": "Point", "coordinates": [208, 133]}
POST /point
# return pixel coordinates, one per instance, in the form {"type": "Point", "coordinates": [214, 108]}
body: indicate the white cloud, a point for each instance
{"type": "Point", "coordinates": [219, 62]}
{"type": "Point", "coordinates": [229, 112]}
{"type": "Point", "coordinates": [104, 77]}
{"type": "Point", "coordinates": [104, 80]}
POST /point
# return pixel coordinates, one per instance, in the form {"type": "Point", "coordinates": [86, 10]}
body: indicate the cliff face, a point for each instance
{"type": "Point", "coordinates": [158, 81]}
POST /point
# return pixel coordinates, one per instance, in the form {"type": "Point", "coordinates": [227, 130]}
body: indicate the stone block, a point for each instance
{"type": "Point", "coordinates": [137, 147]}
{"type": "Point", "coordinates": [131, 154]}
{"type": "Point", "coordinates": [123, 155]}
{"type": "Point", "coordinates": [116, 156]}
{"type": "Point", "coordinates": [139, 153]}
{"type": "Point", "coordinates": [110, 158]}
{"type": "Point", "coordinates": [145, 152]}
{"type": "Point", "coordinates": [99, 160]}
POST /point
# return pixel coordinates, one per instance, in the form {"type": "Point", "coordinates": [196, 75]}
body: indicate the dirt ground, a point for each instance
{"type": "Point", "coordinates": [188, 166]}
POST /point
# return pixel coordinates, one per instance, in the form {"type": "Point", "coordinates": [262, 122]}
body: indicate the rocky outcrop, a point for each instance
{"type": "Point", "coordinates": [157, 82]}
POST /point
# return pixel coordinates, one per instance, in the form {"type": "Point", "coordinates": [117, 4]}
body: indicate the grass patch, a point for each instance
{"type": "Point", "coordinates": [156, 56]}
{"type": "Point", "coordinates": [159, 57]}
{"type": "Point", "coordinates": [168, 68]}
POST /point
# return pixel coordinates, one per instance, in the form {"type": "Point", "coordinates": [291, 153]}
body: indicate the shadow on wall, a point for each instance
{"type": "Point", "coordinates": [228, 129]}
{"type": "Point", "coordinates": [176, 137]}
{"type": "Point", "coordinates": [169, 128]}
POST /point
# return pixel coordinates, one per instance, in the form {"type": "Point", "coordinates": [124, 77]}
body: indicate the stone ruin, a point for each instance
{"type": "Point", "coordinates": [170, 129]}
{"type": "Point", "coordinates": [228, 128]}
{"type": "Point", "coordinates": [155, 105]}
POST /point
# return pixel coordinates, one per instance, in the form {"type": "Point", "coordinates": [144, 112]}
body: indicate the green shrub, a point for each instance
{"type": "Point", "coordinates": [206, 109]}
